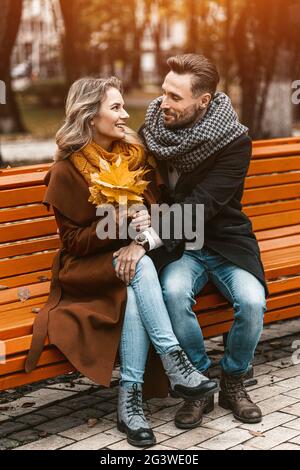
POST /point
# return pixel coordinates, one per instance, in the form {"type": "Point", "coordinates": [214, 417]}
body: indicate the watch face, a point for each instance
{"type": "Point", "coordinates": [141, 237]}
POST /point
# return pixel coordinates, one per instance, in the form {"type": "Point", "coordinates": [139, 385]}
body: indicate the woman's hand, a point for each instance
{"type": "Point", "coordinates": [127, 259]}
{"type": "Point", "coordinates": [140, 220]}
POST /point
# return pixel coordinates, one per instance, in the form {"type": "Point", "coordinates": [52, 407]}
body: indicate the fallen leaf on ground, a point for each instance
{"type": "Point", "coordinates": [256, 434]}
{"type": "Point", "coordinates": [28, 404]}
{"type": "Point", "coordinates": [92, 422]}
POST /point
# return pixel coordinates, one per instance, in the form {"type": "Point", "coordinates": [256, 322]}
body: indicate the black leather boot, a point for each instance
{"type": "Point", "coordinates": [131, 418]}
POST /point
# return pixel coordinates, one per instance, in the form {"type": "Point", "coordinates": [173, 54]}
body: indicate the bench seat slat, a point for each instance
{"type": "Point", "coordinates": [24, 212]}
{"type": "Point", "coordinates": [272, 180]}
{"type": "Point", "coordinates": [41, 373]}
{"type": "Point", "coordinates": [26, 279]}
{"type": "Point", "coordinates": [29, 246]}
{"type": "Point", "coordinates": [17, 363]}
{"type": "Point", "coordinates": [26, 264]}
{"type": "Point", "coordinates": [16, 326]}
{"type": "Point", "coordinates": [279, 150]}
{"type": "Point", "coordinates": [278, 232]}
{"type": "Point", "coordinates": [284, 219]}
{"type": "Point", "coordinates": [275, 141]}
{"type": "Point", "coordinates": [21, 196]}
{"type": "Point", "coordinates": [36, 290]}
{"type": "Point", "coordinates": [14, 306]}
{"type": "Point", "coordinates": [271, 193]}
{"type": "Point", "coordinates": [274, 207]}
{"type": "Point", "coordinates": [26, 169]}
{"type": "Point", "coordinates": [283, 242]}
{"type": "Point", "coordinates": [28, 229]}
{"type": "Point", "coordinates": [273, 165]}
{"type": "Point", "coordinates": [22, 180]}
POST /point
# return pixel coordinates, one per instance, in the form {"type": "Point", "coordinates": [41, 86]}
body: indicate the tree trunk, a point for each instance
{"type": "Point", "coordinates": [278, 117]}
{"type": "Point", "coordinates": [10, 119]}
{"type": "Point", "coordinates": [258, 66]}
{"type": "Point", "coordinates": [192, 33]}
{"type": "Point", "coordinates": [227, 45]}
{"type": "Point", "coordinates": [135, 80]}
{"type": "Point", "coordinates": [72, 56]}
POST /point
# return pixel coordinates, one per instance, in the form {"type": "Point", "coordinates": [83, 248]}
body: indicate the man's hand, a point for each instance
{"type": "Point", "coordinates": [127, 259]}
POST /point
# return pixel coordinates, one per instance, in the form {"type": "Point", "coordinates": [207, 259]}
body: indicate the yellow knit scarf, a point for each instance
{"type": "Point", "coordinates": [87, 159]}
{"type": "Point", "coordinates": [135, 165]}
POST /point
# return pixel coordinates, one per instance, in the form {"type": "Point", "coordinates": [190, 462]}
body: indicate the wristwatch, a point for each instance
{"type": "Point", "coordinates": [141, 239]}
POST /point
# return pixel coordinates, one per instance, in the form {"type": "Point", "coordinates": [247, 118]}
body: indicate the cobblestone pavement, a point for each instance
{"type": "Point", "coordinates": [71, 412]}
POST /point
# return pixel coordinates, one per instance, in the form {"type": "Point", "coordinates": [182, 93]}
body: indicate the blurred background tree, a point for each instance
{"type": "Point", "coordinates": [254, 44]}
{"type": "Point", "coordinates": [10, 120]}
{"type": "Point", "coordinates": [266, 46]}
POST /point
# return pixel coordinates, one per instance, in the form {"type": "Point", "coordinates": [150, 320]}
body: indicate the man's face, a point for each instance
{"type": "Point", "coordinates": [180, 108]}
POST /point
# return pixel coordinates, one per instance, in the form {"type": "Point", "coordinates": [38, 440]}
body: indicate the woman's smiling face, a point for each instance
{"type": "Point", "coordinates": [108, 124]}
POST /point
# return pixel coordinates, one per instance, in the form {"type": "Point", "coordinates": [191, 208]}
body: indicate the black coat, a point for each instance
{"type": "Point", "coordinates": [218, 184]}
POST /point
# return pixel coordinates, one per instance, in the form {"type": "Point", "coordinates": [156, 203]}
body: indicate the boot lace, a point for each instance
{"type": "Point", "coordinates": [184, 365]}
{"type": "Point", "coordinates": [236, 389]}
{"type": "Point", "coordinates": [134, 402]}
{"type": "Point", "coordinates": [189, 405]}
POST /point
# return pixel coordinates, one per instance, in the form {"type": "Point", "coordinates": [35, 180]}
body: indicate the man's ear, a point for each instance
{"type": "Point", "coordinates": [205, 99]}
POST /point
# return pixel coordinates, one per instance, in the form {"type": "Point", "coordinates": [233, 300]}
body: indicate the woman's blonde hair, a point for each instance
{"type": "Point", "coordinates": [83, 103]}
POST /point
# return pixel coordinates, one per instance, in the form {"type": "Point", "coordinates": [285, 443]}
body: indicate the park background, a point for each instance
{"type": "Point", "coordinates": [47, 44]}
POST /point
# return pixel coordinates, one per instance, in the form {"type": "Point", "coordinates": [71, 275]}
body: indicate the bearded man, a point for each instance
{"type": "Point", "coordinates": [203, 154]}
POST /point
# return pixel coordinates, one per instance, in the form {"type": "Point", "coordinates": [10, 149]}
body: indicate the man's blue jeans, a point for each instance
{"type": "Point", "coordinates": [183, 279]}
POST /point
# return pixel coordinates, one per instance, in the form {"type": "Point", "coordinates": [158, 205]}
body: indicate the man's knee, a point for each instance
{"type": "Point", "coordinates": [177, 291]}
{"type": "Point", "coordinates": [251, 309]}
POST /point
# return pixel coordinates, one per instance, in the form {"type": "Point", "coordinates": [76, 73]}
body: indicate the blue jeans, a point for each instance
{"type": "Point", "coordinates": [146, 319]}
{"type": "Point", "coordinates": [183, 279]}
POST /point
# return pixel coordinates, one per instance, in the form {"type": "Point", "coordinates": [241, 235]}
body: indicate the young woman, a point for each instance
{"type": "Point", "coordinates": [105, 294]}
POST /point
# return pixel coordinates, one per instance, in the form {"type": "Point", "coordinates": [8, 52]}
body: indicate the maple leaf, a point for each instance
{"type": "Point", "coordinates": [116, 182]}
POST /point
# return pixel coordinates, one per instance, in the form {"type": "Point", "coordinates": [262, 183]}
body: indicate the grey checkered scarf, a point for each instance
{"type": "Point", "coordinates": [187, 147]}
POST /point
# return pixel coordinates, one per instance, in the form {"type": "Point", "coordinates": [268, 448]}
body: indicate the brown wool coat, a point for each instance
{"type": "Point", "coordinates": [84, 314]}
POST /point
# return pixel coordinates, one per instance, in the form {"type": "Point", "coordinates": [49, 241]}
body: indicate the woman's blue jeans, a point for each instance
{"type": "Point", "coordinates": [183, 279]}
{"type": "Point", "coordinates": [146, 319]}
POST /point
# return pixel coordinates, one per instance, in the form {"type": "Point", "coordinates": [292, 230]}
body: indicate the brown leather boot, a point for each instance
{"type": "Point", "coordinates": [233, 396]}
{"type": "Point", "coordinates": [191, 413]}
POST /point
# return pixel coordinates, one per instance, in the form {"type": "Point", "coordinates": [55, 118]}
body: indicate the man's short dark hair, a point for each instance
{"type": "Point", "coordinates": [205, 76]}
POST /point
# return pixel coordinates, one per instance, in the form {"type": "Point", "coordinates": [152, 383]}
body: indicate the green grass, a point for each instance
{"type": "Point", "coordinates": [41, 123]}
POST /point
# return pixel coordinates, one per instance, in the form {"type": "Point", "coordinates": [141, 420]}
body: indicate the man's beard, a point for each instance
{"type": "Point", "coordinates": [186, 118]}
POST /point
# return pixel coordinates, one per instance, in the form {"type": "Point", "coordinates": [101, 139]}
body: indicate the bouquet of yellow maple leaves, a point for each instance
{"type": "Point", "coordinates": [116, 184]}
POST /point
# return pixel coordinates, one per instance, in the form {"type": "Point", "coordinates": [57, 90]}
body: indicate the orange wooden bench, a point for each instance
{"type": "Point", "coordinates": [28, 242]}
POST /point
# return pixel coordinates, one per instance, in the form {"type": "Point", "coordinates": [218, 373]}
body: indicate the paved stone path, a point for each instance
{"type": "Point", "coordinates": [27, 151]}
{"type": "Point", "coordinates": [71, 412]}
